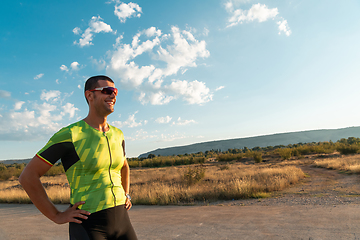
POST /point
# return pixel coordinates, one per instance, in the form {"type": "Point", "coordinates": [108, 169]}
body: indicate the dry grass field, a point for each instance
{"type": "Point", "coordinates": [350, 164]}
{"type": "Point", "coordinates": [210, 182]}
{"type": "Point", "coordinates": [56, 187]}
{"type": "Point", "coordinates": [201, 183]}
{"type": "Point", "coordinates": [180, 184]}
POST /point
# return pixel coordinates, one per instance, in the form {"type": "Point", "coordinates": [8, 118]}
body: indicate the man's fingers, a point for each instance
{"type": "Point", "coordinates": [78, 204]}
{"type": "Point", "coordinates": [76, 221]}
{"type": "Point", "coordinates": [128, 204]}
{"type": "Point", "coordinates": [81, 211]}
{"type": "Point", "coordinates": [78, 214]}
{"type": "Point", "coordinates": [82, 214]}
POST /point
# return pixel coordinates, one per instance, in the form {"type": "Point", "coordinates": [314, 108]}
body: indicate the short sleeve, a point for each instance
{"type": "Point", "coordinates": [58, 146]}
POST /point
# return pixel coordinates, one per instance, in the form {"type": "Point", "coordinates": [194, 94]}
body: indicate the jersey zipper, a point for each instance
{"type": "Point", "coordinates": [112, 183]}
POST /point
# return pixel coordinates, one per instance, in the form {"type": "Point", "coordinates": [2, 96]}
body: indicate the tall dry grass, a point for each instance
{"type": "Point", "coordinates": [348, 163]}
{"type": "Point", "coordinates": [236, 181]}
{"type": "Point", "coordinates": [56, 188]}
{"type": "Point", "coordinates": [180, 184]}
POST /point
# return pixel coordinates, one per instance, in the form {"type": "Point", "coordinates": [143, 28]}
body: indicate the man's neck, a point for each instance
{"type": "Point", "coordinates": [97, 123]}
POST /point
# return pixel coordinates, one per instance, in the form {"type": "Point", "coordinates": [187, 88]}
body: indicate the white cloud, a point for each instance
{"type": "Point", "coordinates": [11, 123]}
{"type": "Point", "coordinates": [124, 11]}
{"type": "Point", "coordinates": [166, 119]}
{"type": "Point", "coordinates": [100, 64]}
{"type": "Point", "coordinates": [259, 12]}
{"type": "Point", "coordinates": [219, 88]}
{"type": "Point", "coordinates": [170, 137]}
{"type": "Point", "coordinates": [194, 92]}
{"type": "Point", "coordinates": [70, 109]}
{"type": "Point", "coordinates": [152, 31]}
{"type": "Point", "coordinates": [140, 135]}
{"type": "Point", "coordinates": [64, 68]}
{"type": "Point", "coordinates": [51, 94]}
{"type": "Point", "coordinates": [18, 105]}
{"type": "Point", "coordinates": [74, 66]}
{"type": "Point", "coordinates": [172, 53]}
{"type": "Point", "coordinates": [5, 94]}
{"type": "Point", "coordinates": [39, 122]}
{"type": "Point", "coordinates": [130, 122]}
{"type": "Point", "coordinates": [39, 76]}
{"type": "Point", "coordinates": [96, 25]}
{"type": "Point", "coordinates": [206, 31]}
{"type": "Point", "coordinates": [229, 6]}
{"type": "Point", "coordinates": [122, 63]}
{"type": "Point", "coordinates": [183, 53]}
{"type": "Point", "coordinates": [157, 98]}
{"type": "Point", "coordinates": [45, 110]}
{"type": "Point", "coordinates": [284, 27]}
{"type": "Point", "coordinates": [180, 122]}
{"type": "Point", "coordinates": [77, 30]}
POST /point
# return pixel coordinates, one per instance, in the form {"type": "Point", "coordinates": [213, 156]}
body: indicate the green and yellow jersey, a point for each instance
{"type": "Point", "coordinates": [92, 161]}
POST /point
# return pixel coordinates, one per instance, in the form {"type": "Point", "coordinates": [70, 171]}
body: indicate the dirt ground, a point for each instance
{"type": "Point", "coordinates": [204, 222]}
{"type": "Point", "coordinates": [325, 205]}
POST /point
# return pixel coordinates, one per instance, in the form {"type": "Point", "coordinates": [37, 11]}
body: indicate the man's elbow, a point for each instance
{"type": "Point", "coordinates": [22, 178]}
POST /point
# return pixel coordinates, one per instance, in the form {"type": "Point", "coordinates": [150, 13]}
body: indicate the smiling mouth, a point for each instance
{"type": "Point", "coordinates": [110, 102]}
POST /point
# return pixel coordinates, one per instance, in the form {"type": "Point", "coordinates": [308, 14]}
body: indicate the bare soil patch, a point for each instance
{"type": "Point", "coordinates": [320, 187]}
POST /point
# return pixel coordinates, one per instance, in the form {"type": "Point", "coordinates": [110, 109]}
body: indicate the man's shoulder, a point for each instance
{"type": "Point", "coordinates": [80, 123]}
{"type": "Point", "coordinates": [69, 128]}
{"type": "Point", "coordinates": [118, 130]}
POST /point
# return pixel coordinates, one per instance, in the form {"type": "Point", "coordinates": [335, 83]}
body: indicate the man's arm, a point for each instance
{"type": "Point", "coordinates": [30, 180]}
{"type": "Point", "coordinates": [125, 178]}
{"type": "Point", "coordinates": [125, 181]}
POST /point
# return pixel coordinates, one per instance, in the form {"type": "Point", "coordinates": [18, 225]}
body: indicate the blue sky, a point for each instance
{"type": "Point", "coordinates": [187, 71]}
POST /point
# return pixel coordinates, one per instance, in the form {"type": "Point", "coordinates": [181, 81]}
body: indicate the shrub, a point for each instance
{"type": "Point", "coordinates": [348, 149]}
{"type": "Point", "coordinates": [257, 157]}
{"type": "Point", "coordinates": [2, 167]}
{"type": "Point", "coordinates": [57, 169]}
{"type": "Point", "coordinates": [166, 161]}
{"type": "Point", "coordinates": [9, 171]}
{"type": "Point", "coordinates": [285, 153]}
{"type": "Point", "coordinates": [295, 152]}
{"type": "Point", "coordinates": [133, 163]}
{"type": "Point", "coordinates": [193, 175]}
{"type": "Point", "coordinates": [229, 157]}
{"type": "Point", "coordinates": [249, 154]}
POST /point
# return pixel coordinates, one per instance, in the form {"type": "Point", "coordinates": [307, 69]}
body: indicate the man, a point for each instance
{"type": "Point", "coordinates": [93, 155]}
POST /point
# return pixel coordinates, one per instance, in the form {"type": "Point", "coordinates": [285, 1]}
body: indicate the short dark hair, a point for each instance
{"type": "Point", "coordinates": [92, 82]}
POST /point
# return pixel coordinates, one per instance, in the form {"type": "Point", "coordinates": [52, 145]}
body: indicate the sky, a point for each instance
{"type": "Point", "coordinates": [187, 71]}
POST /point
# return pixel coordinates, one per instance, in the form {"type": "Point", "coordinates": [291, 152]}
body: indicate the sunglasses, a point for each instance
{"type": "Point", "coordinates": [106, 90]}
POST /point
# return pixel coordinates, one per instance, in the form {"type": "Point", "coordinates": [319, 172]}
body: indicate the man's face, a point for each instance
{"type": "Point", "coordinates": [104, 103]}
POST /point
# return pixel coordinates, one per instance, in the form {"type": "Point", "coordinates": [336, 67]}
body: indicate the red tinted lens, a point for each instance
{"type": "Point", "coordinates": [109, 91]}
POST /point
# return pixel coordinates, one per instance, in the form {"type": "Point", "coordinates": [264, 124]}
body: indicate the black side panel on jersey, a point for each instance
{"type": "Point", "coordinates": [65, 151]}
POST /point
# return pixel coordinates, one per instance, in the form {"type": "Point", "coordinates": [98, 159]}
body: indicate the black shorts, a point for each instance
{"type": "Point", "coordinates": [112, 223]}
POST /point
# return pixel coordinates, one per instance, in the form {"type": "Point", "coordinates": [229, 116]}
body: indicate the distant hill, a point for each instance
{"type": "Point", "coordinates": [15, 161]}
{"type": "Point", "coordinates": [261, 141]}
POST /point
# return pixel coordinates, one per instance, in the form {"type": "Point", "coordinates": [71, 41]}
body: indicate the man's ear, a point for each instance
{"type": "Point", "coordinates": [88, 95]}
